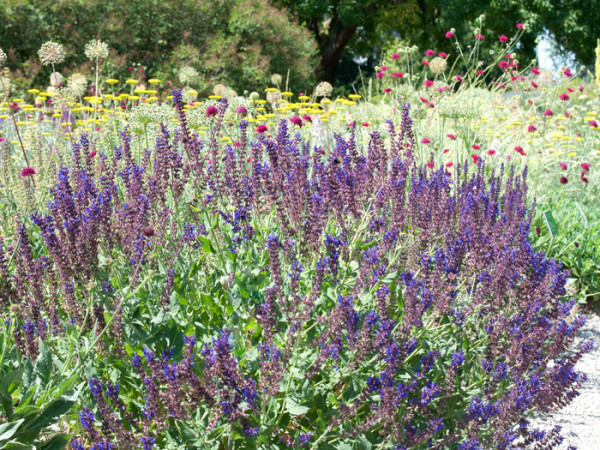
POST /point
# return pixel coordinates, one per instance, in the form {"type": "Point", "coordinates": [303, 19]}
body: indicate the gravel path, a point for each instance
{"type": "Point", "coordinates": [580, 421]}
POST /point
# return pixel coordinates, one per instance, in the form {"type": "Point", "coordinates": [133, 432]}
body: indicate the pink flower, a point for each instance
{"type": "Point", "coordinates": [583, 178]}
{"type": "Point", "coordinates": [491, 152]}
{"type": "Point", "coordinates": [520, 150]}
{"type": "Point", "coordinates": [423, 99]}
{"type": "Point", "coordinates": [211, 111]}
{"type": "Point", "coordinates": [261, 128]}
{"type": "Point", "coordinates": [28, 171]}
{"type": "Point", "coordinates": [534, 84]}
{"type": "Point", "coordinates": [296, 120]}
{"type": "Point", "coordinates": [365, 124]}
{"type": "Point", "coordinates": [395, 56]}
{"type": "Point", "coordinates": [425, 141]}
{"type": "Point", "coordinates": [92, 154]}
{"type": "Point", "coordinates": [380, 75]}
{"type": "Point", "coordinates": [476, 158]}
{"type": "Point", "coordinates": [548, 113]}
{"type": "Point", "coordinates": [563, 165]}
{"type": "Point", "coordinates": [564, 97]}
{"type": "Point", "coordinates": [446, 150]}
{"type": "Point", "coordinates": [568, 73]}
{"type": "Point", "coordinates": [425, 63]}
{"type": "Point", "coordinates": [531, 128]}
{"type": "Point", "coordinates": [476, 147]}
{"type": "Point", "coordinates": [503, 39]}
{"type": "Point", "coordinates": [442, 55]}
{"type": "Point", "coordinates": [451, 136]}
{"type": "Point", "coordinates": [307, 118]}
{"type": "Point", "coordinates": [581, 88]}
{"type": "Point", "coordinates": [384, 68]}
{"type": "Point", "coordinates": [479, 37]}
{"type": "Point", "coordinates": [570, 90]}
{"type": "Point", "coordinates": [397, 74]}
{"type": "Point", "coordinates": [449, 164]}
{"type": "Point", "coordinates": [535, 71]}
{"type": "Point", "coordinates": [386, 90]}
{"type": "Point", "coordinates": [503, 65]}
{"type": "Point", "coordinates": [237, 144]}
{"type": "Point", "coordinates": [430, 164]}
{"type": "Point", "coordinates": [564, 180]}
{"type": "Point", "coordinates": [429, 52]}
{"type": "Point", "coordinates": [458, 78]}
{"type": "Point", "coordinates": [242, 111]}
{"type": "Point", "coordinates": [428, 83]}
{"type": "Point", "coordinates": [479, 72]}
{"type": "Point", "coordinates": [593, 124]}
{"type": "Point", "coordinates": [520, 26]}
{"type": "Point", "coordinates": [585, 167]}
{"type": "Point", "coordinates": [449, 34]}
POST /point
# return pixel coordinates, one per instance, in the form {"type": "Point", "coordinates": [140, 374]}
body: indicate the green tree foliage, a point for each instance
{"type": "Point", "coordinates": [359, 28]}
{"type": "Point", "coordinates": [238, 43]}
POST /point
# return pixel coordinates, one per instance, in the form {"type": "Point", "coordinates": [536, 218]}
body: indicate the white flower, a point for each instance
{"type": "Point", "coordinates": [187, 75]}
{"type": "Point", "coordinates": [95, 50]}
{"type": "Point", "coordinates": [51, 53]}
{"type": "Point", "coordinates": [55, 79]}
{"type": "Point", "coordinates": [78, 84]}
{"type": "Point", "coordinates": [2, 57]}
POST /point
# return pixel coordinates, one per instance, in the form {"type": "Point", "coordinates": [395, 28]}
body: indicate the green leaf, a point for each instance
{"type": "Point", "coordinates": [7, 430]}
{"type": "Point", "coordinates": [51, 413]}
{"type": "Point", "coordinates": [206, 245]}
{"type": "Point", "coordinates": [295, 409]}
{"type": "Point", "coordinates": [13, 445]}
{"type": "Point", "coordinates": [57, 442]}
{"type": "Point", "coordinates": [551, 223]}
{"type": "Point", "coordinates": [6, 402]}
{"type": "Point", "coordinates": [43, 364]}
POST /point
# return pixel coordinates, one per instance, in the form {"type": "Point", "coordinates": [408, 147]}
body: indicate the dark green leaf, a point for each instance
{"type": "Point", "coordinates": [7, 430]}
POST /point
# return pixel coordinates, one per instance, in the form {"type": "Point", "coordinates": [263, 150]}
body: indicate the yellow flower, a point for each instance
{"type": "Point", "coordinates": [113, 81]}
{"type": "Point", "coordinates": [154, 81]}
{"type": "Point", "coordinates": [287, 94]}
{"type": "Point", "coordinates": [34, 91]}
{"type": "Point", "coordinates": [271, 90]}
{"type": "Point", "coordinates": [571, 154]}
{"type": "Point", "coordinates": [131, 81]}
{"type": "Point", "coordinates": [18, 100]}
{"type": "Point", "coordinates": [214, 97]}
{"type": "Point", "coordinates": [355, 96]}
{"type": "Point", "coordinates": [303, 97]}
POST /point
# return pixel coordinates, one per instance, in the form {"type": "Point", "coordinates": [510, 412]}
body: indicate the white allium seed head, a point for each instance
{"type": "Point", "coordinates": [2, 57]}
{"type": "Point", "coordinates": [96, 50]}
{"type": "Point", "coordinates": [51, 53]}
{"type": "Point", "coordinates": [187, 75]}
{"type": "Point", "coordinates": [78, 84]}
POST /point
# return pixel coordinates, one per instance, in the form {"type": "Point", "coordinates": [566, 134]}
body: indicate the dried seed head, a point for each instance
{"type": "Point", "coordinates": [96, 50]}
{"type": "Point", "coordinates": [51, 53]}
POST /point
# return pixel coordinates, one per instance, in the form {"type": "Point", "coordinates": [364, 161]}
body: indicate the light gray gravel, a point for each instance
{"type": "Point", "coordinates": [580, 421]}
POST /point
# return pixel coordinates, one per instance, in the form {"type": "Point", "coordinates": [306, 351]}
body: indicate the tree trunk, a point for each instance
{"type": "Point", "coordinates": [338, 37]}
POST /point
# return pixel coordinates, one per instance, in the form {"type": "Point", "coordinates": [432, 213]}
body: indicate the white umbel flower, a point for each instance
{"type": "Point", "coordinates": [51, 53]}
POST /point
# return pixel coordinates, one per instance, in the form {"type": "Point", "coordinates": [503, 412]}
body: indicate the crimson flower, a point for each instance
{"type": "Point", "coordinates": [564, 97]}
{"type": "Point", "coordinates": [585, 167]}
{"type": "Point", "coordinates": [531, 128]}
{"type": "Point", "coordinates": [491, 152]}
{"type": "Point", "coordinates": [564, 180]}
{"type": "Point", "coordinates": [449, 34]}
{"type": "Point", "coordinates": [429, 52]}
{"type": "Point", "coordinates": [425, 141]}
{"type": "Point", "coordinates": [261, 128]}
{"type": "Point", "coordinates": [296, 121]}
{"type": "Point", "coordinates": [520, 150]}
{"type": "Point", "coordinates": [593, 124]}
{"type": "Point", "coordinates": [520, 26]}
{"type": "Point", "coordinates": [212, 110]}
{"type": "Point", "coordinates": [548, 113]}
{"type": "Point", "coordinates": [395, 56]}
{"type": "Point", "coordinates": [28, 171]}
{"type": "Point", "coordinates": [563, 165]}
{"type": "Point", "coordinates": [503, 39]}
{"type": "Point", "coordinates": [476, 158]}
